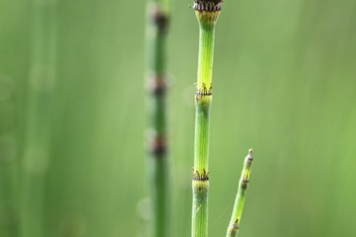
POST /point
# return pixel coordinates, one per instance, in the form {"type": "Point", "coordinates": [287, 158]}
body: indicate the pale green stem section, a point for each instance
{"type": "Point", "coordinates": [235, 221]}
{"type": "Point", "coordinates": [200, 208]}
{"type": "Point", "coordinates": [203, 102]}
{"type": "Point", "coordinates": [206, 55]}
{"type": "Point", "coordinates": [39, 116]}
{"type": "Point", "coordinates": [9, 181]}
{"type": "Point", "coordinates": [157, 162]}
{"type": "Point", "coordinates": [203, 98]}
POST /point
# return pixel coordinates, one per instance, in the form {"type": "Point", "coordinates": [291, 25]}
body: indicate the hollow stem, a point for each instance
{"type": "Point", "coordinates": [207, 13]}
{"type": "Point", "coordinates": [157, 162]}
{"type": "Point", "coordinates": [234, 225]}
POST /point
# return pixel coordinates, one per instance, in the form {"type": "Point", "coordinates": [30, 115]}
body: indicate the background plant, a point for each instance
{"type": "Point", "coordinates": [39, 108]}
{"type": "Point", "coordinates": [288, 71]}
{"type": "Point", "coordinates": [157, 146]}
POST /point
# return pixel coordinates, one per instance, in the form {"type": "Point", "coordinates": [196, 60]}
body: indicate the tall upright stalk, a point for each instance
{"type": "Point", "coordinates": [157, 162]}
{"type": "Point", "coordinates": [207, 13]}
{"type": "Point", "coordinates": [234, 225]}
{"type": "Point", "coordinates": [9, 175]}
{"type": "Point", "coordinates": [39, 116]}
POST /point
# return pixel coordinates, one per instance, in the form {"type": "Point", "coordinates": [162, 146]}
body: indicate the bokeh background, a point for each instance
{"type": "Point", "coordinates": [284, 85]}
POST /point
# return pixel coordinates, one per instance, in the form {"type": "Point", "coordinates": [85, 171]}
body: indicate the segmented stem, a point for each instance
{"type": "Point", "coordinates": [9, 175]}
{"type": "Point", "coordinates": [234, 225]}
{"type": "Point", "coordinates": [157, 163]}
{"type": "Point", "coordinates": [39, 116]}
{"type": "Point", "coordinates": [207, 13]}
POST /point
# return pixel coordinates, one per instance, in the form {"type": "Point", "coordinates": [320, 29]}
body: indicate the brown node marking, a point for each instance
{"type": "Point", "coordinates": [208, 6]}
{"type": "Point", "coordinates": [204, 176]}
{"type": "Point", "coordinates": [158, 17]}
{"type": "Point", "coordinates": [203, 91]}
{"type": "Point", "coordinates": [157, 145]}
{"type": "Point", "coordinates": [234, 226]}
{"type": "Point", "coordinates": [156, 85]}
{"type": "Point", "coordinates": [244, 183]}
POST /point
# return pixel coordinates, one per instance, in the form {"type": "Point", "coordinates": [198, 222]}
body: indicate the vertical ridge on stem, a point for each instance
{"type": "Point", "coordinates": [207, 13]}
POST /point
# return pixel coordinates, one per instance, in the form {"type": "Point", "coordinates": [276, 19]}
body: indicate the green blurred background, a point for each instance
{"type": "Point", "coordinates": [284, 85]}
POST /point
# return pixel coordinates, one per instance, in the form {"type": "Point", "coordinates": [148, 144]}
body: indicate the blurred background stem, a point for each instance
{"type": "Point", "coordinates": [9, 179]}
{"type": "Point", "coordinates": [156, 80]}
{"type": "Point", "coordinates": [39, 116]}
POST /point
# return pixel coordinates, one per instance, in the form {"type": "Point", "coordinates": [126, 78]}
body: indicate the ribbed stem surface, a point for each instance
{"type": "Point", "coordinates": [203, 99]}
{"type": "Point", "coordinates": [206, 55]}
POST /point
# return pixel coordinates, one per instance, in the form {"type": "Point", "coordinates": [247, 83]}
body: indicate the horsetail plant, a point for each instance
{"type": "Point", "coordinates": [39, 116]}
{"type": "Point", "coordinates": [157, 163]}
{"type": "Point", "coordinates": [234, 225]}
{"type": "Point", "coordinates": [9, 173]}
{"type": "Point", "coordinates": [207, 13]}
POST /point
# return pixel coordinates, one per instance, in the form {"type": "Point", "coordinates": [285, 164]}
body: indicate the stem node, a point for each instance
{"type": "Point", "coordinates": [158, 17]}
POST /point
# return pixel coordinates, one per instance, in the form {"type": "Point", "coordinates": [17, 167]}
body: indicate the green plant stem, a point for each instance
{"type": "Point", "coordinates": [9, 179]}
{"type": "Point", "coordinates": [157, 162]}
{"type": "Point", "coordinates": [234, 225]}
{"type": "Point", "coordinates": [39, 116]}
{"type": "Point", "coordinates": [201, 142]}
{"type": "Point", "coordinates": [207, 14]}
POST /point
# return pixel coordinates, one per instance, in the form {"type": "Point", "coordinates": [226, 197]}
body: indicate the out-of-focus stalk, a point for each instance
{"type": "Point", "coordinates": [156, 80]}
{"type": "Point", "coordinates": [39, 116]}
{"type": "Point", "coordinates": [9, 179]}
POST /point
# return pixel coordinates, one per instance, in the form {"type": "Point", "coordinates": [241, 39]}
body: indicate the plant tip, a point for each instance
{"type": "Point", "coordinates": [249, 155]}
{"type": "Point", "coordinates": [206, 5]}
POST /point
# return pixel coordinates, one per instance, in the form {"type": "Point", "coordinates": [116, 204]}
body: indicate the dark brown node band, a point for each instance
{"type": "Point", "coordinates": [208, 6]}
{"type": "Point", "coordinates": [204, 176]}
{"type": "Point", "coordinates": [157, 145]}
{"type": "Point", "coordinates": [160, 18]}
{"type": "Point", "coordinates": [244, 183]}
{"type": "Point", "coordinates": [157, 85]}
{"type": "Point", "coordinates": [203, 93]}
